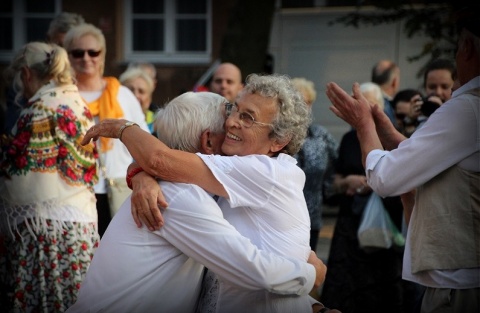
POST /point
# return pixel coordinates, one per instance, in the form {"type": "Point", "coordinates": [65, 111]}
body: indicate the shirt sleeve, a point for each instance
{"type": "Point", "coordinates": [203, 234]}
{"type": "Point", "coordinates": [248, 180]}
{"type": "Point", "coordinates": [449, 136]}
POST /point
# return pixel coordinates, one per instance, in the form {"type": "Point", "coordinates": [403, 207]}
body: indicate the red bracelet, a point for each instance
{"type": "Point", "coordinates": [130, 175]}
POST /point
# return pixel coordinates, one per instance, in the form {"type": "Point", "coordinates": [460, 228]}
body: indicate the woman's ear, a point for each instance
{"type": "Point", "coordinates": [277, 146]}
{"type": "Point", "coordinates": [25, 74]}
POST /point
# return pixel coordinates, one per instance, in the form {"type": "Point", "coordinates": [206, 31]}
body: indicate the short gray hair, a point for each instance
{"type": "Point", "coordinates": [293, 117]}
{"type": "Point", "coordinates": [369, 87]}
{"type": "Point", "coordinates": [132, 73]}
{"type": "Point", "coordinates": [63, 22]}
{"type": "Point", "coordinates": [149, 68]}
{"type": "Point", "coordinates": [181, 122]}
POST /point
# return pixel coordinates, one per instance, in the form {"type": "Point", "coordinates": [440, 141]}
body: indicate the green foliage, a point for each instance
{"type": "Point", "coordinates": [432, 19]}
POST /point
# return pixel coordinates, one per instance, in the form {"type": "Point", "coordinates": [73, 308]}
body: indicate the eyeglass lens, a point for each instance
{"type": "Point", "coordinates": [246, 119]}
{"type": "Point", "coordinates": [228, 108]}
{"type": "Point", "coordinates": [79, 53]}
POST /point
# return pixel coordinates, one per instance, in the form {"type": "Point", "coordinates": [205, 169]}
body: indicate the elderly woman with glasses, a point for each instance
{"type": "Point", "coordinates": [260, 185]}
{"type": "Point", "coordinates": [106, 98]}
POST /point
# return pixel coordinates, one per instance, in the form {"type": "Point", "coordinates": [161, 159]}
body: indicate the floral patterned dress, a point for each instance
{"type": "Point", "coordinates": [48, 218]}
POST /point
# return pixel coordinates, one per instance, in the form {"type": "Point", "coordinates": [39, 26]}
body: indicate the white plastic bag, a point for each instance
{"type": "Point", "coordinates": [376, 228]}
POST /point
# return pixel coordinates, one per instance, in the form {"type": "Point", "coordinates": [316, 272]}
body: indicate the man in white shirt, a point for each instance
{"type": "Point", "coordinates": [441, 161]}
{"type": "Point", "coordinates": [135, 270]}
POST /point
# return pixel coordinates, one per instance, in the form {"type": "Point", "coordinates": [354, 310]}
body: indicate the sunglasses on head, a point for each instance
{"type": "Point", "coordinates": [79, 53]}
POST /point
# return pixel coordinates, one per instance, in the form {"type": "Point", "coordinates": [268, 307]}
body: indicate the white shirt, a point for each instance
{"type": "Point", "coordinates": [117, 159]}
{"type": "Point", "coordinates": [135, 270]}
{"type": "Point", "coordinates": [451, 136]}
{"type": "Point", "coordinates": [267, 205]}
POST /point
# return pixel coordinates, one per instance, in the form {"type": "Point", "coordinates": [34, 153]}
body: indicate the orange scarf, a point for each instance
{"type": "Point", "coordinates": [107, 106]}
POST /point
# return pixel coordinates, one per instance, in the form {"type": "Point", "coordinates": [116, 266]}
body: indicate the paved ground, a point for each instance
{"type": "Point", "coordinates": [326, 233]}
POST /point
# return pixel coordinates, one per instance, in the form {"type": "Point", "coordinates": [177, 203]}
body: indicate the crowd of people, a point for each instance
{"type": "Point", "coordinates": [213, 201]}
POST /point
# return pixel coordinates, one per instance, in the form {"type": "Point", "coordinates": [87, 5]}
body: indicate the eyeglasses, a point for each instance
{"type": "Point", "coordinates": [79, 53]}
{"type": "Point", "coordinates": [246, 119]}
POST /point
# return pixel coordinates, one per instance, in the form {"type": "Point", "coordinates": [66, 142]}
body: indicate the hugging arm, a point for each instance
{"type": "Point", "coordinates": [203, 234]}
{"type": "Point", "coordinates": [155, 157]}
{"type": "Point", "coordinates": [147, 199]}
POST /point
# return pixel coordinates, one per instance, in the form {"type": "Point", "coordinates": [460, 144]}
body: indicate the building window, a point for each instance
{"type": "Point", "coordinates": [22, 21]}
{"type": "Point", "coordinates": [168, 31]}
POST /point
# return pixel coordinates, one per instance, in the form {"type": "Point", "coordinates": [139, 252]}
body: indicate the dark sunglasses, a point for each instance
{"type": "Point", "coordinates": [79, 53]}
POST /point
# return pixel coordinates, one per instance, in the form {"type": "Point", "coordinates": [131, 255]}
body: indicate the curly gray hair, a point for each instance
{"type": "Point", "coordinates": [293, 117]}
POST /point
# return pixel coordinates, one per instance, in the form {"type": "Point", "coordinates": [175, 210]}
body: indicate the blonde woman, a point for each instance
{"type": "Point", "coordinates": [48, 220]}
{"type": "Point", "coordinates": [106, 98]}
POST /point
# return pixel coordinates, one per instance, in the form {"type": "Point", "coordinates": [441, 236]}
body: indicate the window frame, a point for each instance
{"type": "Point", "coordinates": [169, 55]}
{"type": "Point", "coordinates": [19, 16]}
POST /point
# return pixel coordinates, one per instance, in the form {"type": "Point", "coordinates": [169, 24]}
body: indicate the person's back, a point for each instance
{"type": "Point", "coordinates": [48, 220]}
{"type": "Point", "coordinates": [58, 27]}
{"type": "Point", "coordinates": [153, 274]}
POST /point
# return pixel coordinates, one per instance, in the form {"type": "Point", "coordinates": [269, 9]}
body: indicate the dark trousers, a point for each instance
{"type": "Point", "coordinates": [445, 300]}
{"type": "Point", "coordinates": [314, 239]}
{"type": "Point", "coordinates": [103, 211]}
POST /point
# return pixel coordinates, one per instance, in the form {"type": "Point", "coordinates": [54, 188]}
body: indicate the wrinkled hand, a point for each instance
{"type": "Point", "coordinates": [108, 128]}
{"type": "Point", "coordinates": [320, 268]}
{"type": "Point", "coordinates": [352, 109]}
{"type": "Point", "coordinates": [147, 199]}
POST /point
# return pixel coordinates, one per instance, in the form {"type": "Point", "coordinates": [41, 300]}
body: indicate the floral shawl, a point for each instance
{"type": "Point", "coordinates": [45, 174]}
